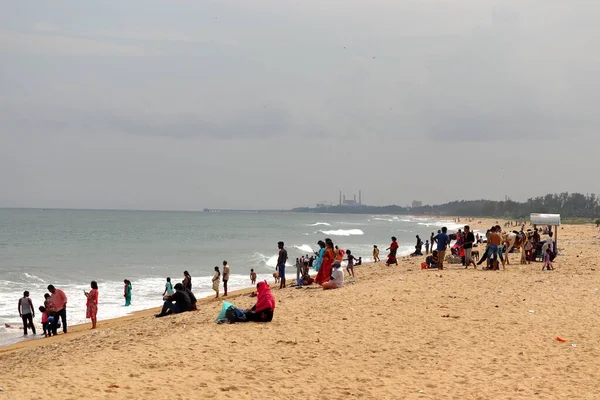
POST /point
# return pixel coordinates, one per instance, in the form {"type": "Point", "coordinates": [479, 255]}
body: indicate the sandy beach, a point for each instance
{"type": "Point", "coordinates": [394, 333]}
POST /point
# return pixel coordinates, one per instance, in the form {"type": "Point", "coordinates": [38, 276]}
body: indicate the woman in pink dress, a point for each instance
{"type": "Point", "coordinates": [92, 303]}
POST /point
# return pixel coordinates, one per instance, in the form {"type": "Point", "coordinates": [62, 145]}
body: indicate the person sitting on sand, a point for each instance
{"type": "Point", "coordinates": [264, 308]}
{"type": "Point", "coordinates": [359, 262]}
{"type": "Point", "coordinates": [216, 281]}
{"type": "Point", "coordinates": [433, 260]}
{"type": "Point", "coordinates": [193, 300]}
{"type": "Point", "coordinates": [176, 303]}
{"type": "Point", "coordinates": [307, 280]}
{"type": "Point", "coordinates": [337, 277]}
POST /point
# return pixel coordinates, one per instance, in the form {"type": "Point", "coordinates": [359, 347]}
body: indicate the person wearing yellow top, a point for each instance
{"type": "Point", "coordinates": [375, 253]}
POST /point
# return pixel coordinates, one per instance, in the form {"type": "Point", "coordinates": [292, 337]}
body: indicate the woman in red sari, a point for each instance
{"type": "Point", "coordinates": [92, 303]}
{"type": "Point", "coordinates": [328, 258]}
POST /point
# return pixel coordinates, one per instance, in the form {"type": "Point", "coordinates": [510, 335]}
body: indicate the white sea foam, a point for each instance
{"type": "Point", "coordinates": [343, 232]}
{"type": "Point", "coordinates": [304, 248]}
{"type": "Point", "coordinates": [319, 223]}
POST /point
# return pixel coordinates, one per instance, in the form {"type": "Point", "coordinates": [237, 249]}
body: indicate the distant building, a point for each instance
{"type": "Point", "coordinates": [351, 203]}
{"type": "Point", "coordinates": [417, 204]}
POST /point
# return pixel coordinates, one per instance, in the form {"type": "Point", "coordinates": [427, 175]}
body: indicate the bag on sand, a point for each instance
{"type": "Point", "coordinates": [234, 314]}
{"type": "Point", "coordinates": [221, 315]}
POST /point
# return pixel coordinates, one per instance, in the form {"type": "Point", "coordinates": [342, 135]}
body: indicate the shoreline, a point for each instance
{"type": "Point", "coordinates": [493, 334]}
{"type": "Point", "coordinates": [78, 330]}
{"type": "Point", "coordinates": [81, 329]}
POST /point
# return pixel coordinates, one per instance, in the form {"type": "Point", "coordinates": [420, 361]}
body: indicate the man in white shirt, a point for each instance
{"type": "Point", "coordinates": [337, 278]}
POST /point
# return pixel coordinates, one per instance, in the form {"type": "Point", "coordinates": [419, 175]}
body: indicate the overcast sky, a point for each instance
{"type": "Point", "coordinates": [165, 104]}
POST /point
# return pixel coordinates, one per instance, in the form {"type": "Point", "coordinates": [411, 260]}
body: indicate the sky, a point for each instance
{"type": "Point", "coordinates": [182, 105]}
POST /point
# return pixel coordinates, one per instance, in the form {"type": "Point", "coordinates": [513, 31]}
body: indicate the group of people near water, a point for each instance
{"type": "Point", "coordinates": [327, 261]}
{"type": "Point", "coordinates": [54, 310]}
{"type": "Point", "coordinates": [496, 243]}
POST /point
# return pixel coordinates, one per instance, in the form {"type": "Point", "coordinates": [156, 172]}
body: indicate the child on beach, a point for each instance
{"type": "Point", "coordinates": [547, 263]}
{"type": "Point", "coordinates": [45, 325]}
{"type": "Point", "coordinates": [427, 246]}
{"type": "Point", "coordinates": [168, 288]}
{"type": "Point", "coordinates": [253, 276]}
{"type": "Point", "coordinates": [216, 282]}
{"type": "Point", "coordinates": [375, 253]}
{"type": "Point", "coordinates": [350, 266]}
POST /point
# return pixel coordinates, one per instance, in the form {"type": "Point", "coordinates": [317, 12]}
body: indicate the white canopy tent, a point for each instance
{"type": "Point", "coordinates": [547, 219]}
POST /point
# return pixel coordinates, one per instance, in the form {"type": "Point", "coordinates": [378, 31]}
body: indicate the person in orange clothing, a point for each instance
{"type": "Point", "coordinates": [328, 258]}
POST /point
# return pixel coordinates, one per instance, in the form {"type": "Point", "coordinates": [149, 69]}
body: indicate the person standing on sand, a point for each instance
{"type": "Point", "coordinates": [216, 281]}
{"type": "Point", "coordinates": [427, 247]}
{"type": "Point", "coordinates": [225, 277]}
{"type": "Point", "coordinates": [431, 241]}
{"type": "Point", "coordinates": [320, 254]}
{"type": "Point", "coordinates": [187, 280]}
{"type": "Point", "coordinates": [26, 312]}
{"type": "Point", "coordinates": [375, 253]}
{"type": "Point", "coordinates": [468, 241]}
{"type": "Point", "coordinates": [299, 263]}
{"type": "Point", "coordinates": [127, 292]}
{"type": "Point", "coordinates": [281, 260]}
{"type": "Point", "coordinates": [442, 240]}
{"type": "Point", "coordinates": [393, 250]}
{"type": "Point", "coordinates": [327, 261]}
{"type": "Point", "coordinates": [252, 276]}
{"type": "Point", "coordinates": [58, 305]}
{"type": "Point", "coordinates": [92, 303]}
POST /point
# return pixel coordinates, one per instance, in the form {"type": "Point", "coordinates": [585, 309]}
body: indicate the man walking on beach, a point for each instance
{"type": "Point", "coordinates": [468, 241]}
{"type": "Point", "coordinates": [58, 300]}
{"type": "Point", "coordinates": [26, 312]}
{"type": "Point", "coordinates": [281, 259]}
{"type": "Point", "coordinates": [225, 276]}
{"type": "Point", "coordinates": [442, 240]}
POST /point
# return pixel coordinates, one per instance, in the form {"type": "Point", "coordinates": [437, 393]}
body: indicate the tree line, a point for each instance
{"type": "Point", "coordinates": [568, 205]}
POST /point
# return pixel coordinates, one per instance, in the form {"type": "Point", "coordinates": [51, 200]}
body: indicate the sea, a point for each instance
{"type": "Point", "coordinates": [70, 248]}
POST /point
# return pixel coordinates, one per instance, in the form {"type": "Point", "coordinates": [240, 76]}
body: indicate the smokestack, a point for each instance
{"type": "Point", "coordinates": [340, 197]}
{"type": "Point", "coordinates": [360, 197]}
{"type": "Point", "coordinates": [355, 198]}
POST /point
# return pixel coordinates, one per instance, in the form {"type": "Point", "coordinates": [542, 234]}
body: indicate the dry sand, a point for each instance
{"type": "Point", "coordinates": [396, 333]}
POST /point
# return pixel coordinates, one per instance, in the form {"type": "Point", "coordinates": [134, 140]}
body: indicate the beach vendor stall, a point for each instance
{"type": "Point", "coordinates": [547, 220]}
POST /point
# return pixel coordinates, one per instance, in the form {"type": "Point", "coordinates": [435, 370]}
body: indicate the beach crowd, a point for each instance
{"type": "Point", "coordinates": [327, 262]}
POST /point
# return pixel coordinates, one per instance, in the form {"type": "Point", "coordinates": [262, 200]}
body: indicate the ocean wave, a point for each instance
{"type": "Point", "coordinates": [343, 232]}
{"type": "Point", "coordinates": [36, 278]}
{"type": "Point", "coordinates": [304, 248]}
{"type": "Point", "coordinates": [319, 223]}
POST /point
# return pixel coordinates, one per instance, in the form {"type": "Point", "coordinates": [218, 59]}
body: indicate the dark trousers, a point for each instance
{"type": "Point", "coordinates": [28, 323]}
{"type": "Point", "coordinates": [63, 316]}
{"type": "Point", "coordinates": [169, 308]}
{"type": "Point", "coordinates": [47, 329]}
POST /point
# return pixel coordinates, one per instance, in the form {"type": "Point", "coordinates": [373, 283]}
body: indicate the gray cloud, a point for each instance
{"type": "Point", "coordinates": [311, 96]}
